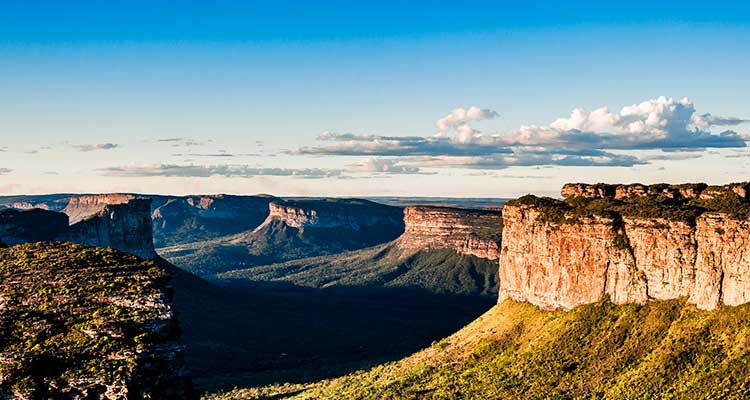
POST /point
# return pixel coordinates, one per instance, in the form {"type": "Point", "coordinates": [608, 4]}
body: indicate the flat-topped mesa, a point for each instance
{"type": "Point", "coordinates": [125, 227]}
{"type": "Point", "coordinates": [81, 207]}
{"type": "Point", "coordinates": [473, 232]}
{"type": "Point", "coordinates": [332, 213]}
{"type": "Point", "coordinates": [684, 191]}
{"type": "Point", "coordinates": [558, 255]}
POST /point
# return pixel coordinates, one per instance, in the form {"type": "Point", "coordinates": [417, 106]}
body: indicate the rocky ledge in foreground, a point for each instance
{"type": "Point", "coordinates": [647, 242]}
{"type": "Point", "coordinates": [79, 322]}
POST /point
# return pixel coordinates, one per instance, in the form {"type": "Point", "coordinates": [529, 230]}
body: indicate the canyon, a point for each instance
{"type": "Point", "coordinates": [631, 243]}
{"type": "Point", "coordinates": [292, 229]}
{"type": "Point", "coordinates": [441, 250]}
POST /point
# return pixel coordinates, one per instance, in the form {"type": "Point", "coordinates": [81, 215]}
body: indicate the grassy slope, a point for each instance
{"type": "Point", "coordinates": [664, 350]}
{"type": "Point", "coordinates": [438, 271]}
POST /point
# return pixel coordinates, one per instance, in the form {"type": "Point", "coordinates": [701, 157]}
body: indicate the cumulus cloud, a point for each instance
{"type": "Point", "coordinates": [458, 122]}
{"type": "Point", "coordinates": [585, 138]}
{"type": "Point", "coordinates": [663, 123]}
{"type": "Point", "coordinates": [95, 147]}
{"type": "Point", "coordinates": [204, 171]}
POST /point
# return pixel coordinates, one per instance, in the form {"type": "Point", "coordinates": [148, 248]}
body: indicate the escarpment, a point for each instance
{"type": "Point", "coordinates": [125, 227]}
{"type": "Point", "coordinates": [473, 232]}
{"type": "Point", "coordinates": [332, 213]}
{"type": "Point", "coordinates": [82, 207]}
{"type": "Point", "coordinates": [122, 226]}
{"type": "Point", "coordinates": [647, 242]}
{"type": "Point", "coordinates": [80, 322]}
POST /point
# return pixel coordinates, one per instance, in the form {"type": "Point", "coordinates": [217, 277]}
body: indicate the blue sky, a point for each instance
{"type": "Point", "coordinates": [184, 97]}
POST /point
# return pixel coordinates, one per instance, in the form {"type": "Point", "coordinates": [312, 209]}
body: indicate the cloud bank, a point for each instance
{"type": "Point", "coordinates": [598, 137]}
{"type": "Point", "coordinates": [204, 171]}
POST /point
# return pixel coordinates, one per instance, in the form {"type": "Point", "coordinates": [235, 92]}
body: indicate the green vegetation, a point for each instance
{"type": "Point", "coordinates": [439, 271]}
{"type": "Point", "coordinates": [663, 350]}
{"type": "Point", "coordinates": [572, 209]}
{"type": "Point", "coordinates": [70, 313]}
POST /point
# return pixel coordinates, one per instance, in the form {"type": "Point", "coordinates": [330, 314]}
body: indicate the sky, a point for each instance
{"type": "Point", "coordinates": [335, 98]}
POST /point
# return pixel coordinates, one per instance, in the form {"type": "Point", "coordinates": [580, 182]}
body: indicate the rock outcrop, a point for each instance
{"type": "Point", "coordinates": [32, 225]}
{"type": "Point", "coordinates": [124, 226]}
{"type": "Point", "coordinates": [694, 244]}
{"type": "Point", "coordinates": [473, 232]}
{"type": "Point", "coordinates": [684, 191]}
{"type": "Point", "coordinates": [194, 218]}
{"type": "Point", "coordinates": [332, 213]}
{"type": "Point", "coordinates": [89, 323]}
{"type": "Point", "coordinates": [82, 207]}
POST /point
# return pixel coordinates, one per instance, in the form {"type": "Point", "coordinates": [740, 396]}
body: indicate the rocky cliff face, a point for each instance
{"type": "Point", "coordinates": [125, 227]}
{"type": "Point", "coordinates": [194, 218]}
{"type": "Point", "coordinates": [332, 213]}
{"type": "Point", "coordinates": [472, 232]}
{"type": "Point", "coordinates": [685, 191]}
{"type": "Point", "coordinates": [635, 246]}
{"type": "Point", "coordinates": [82, 207]}
{"type": "Point", "coordinates": [79, 323]}
{"type": "Point", "coordinates": [32, 225]}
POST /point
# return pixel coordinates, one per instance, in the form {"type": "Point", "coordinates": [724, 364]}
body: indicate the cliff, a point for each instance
{"type": "Point", "coordinates": [193, 218]}
{"type": "Point", "coordinates": [442, 250]}
{"type": "Point", "coordinates": [125, 227]}
{"type": "Point", "coordinates": [293, 229]}
{"type": "Point", "coordinates": [332, 213]}
{"type": "Point", "coordinates": [88, 323]}
{"type": "Point", "coordinates": [633, 246]}
{"type": "Point", "coordinates": [32, 225]}
{"type": "Point", "coordinates": [82, 207]}
{"type": "Point", "coordinates": [473, 232]}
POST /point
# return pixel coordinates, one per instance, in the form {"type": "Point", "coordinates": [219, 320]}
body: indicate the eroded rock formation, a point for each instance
{"type": "Point", "coordinates": [332, 213]}
{"type": "Point", "coordinates": [124, 226]}
{"type": "Point", "coordinates": [474, 232]}
{"type": "Point", "coordinates": [558, 256]}
{"type": "Point", "coordinates": [81, 207]}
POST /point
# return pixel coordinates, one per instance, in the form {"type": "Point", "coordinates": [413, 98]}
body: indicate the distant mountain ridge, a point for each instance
{"type": "Point", "coordinates": [442, 250]}
{"type": "Point", "coordinates": [293, 229]}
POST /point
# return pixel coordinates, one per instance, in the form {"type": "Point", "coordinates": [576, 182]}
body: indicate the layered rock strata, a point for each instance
{"type": "Point", "coordinates": [125, 227]}
{"type": "Point", "coordinates": [559, 256]}
{"type": "Point", "coordinates": [473, 232]}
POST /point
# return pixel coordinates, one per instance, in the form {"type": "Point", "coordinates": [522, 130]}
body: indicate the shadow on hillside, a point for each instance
{"type": "Point", "coordinates": [269, 332]}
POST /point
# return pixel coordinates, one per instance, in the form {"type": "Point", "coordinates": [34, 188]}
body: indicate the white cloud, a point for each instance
{"type": "Point", "coordinates": [584, 138]}
{"type": "Point", "coordinates": [458, 122]}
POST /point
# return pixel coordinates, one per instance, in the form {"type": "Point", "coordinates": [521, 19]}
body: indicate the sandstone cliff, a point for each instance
{"type": "Point", "coordinates": [125, 227]}
{"type": "Point", "coordinates": [82, 207]}
{"type": "Point", "coordinates": [194, 218]}
{"type": "Point", "coordinates": [332, 213]}
{"type": "Point", "coordinates": [473, 232]}
{"type": "Point", "coordinates": [633, 246]}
